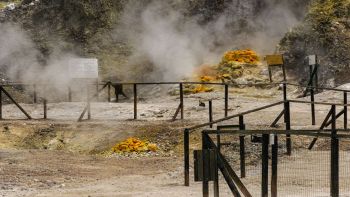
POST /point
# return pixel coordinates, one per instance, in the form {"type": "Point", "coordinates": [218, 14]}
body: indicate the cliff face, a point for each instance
{"type": "Point", "coordinates": [326, 33]}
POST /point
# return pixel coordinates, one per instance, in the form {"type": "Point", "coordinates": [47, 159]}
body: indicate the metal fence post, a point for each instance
{"type": "Point", "coordinates": [284, 91]}
{"type": "Point", "coordinates": [89, 103]}
{"type": "Point", "coordinates": [285, 97]}
{"type": "Point", "coordinates": [45, 109]}
{"type": "Point", "coordinates": [242, 147]}
{"type": "Point", "coordinates": [274, 166]}
{"type": "Point", "coordinates": [35, 94]}
{"type": "Point", "coordinates": [211, 112]}
{"type": "Point", "coordinates": [97, 92]}
{"type": "Point", "coordinates": [187, 156]}
{"type": "Point", "coordinates": [288, 127]}
{"type": "Point", "coordinates": [205, 182]}
{"type": "Point", "coordinates": [216, 181]}
{"type": "Point", "coordinates": [334, 157]}
{"type": "Point", "coordinates": [312, 97]}
{"type": "Point", "coordinates": [265, 166]}
{"type": "Point", "coordinates": [135, 101]}
{"type": "Point", "coordinates": [182, 101]}
{"type": "Point", "coordinates": [109, 92]}
{"type": "Point", "coordinates": [226, 100]}
{"type": "Point", "coordinates": [345, 110]}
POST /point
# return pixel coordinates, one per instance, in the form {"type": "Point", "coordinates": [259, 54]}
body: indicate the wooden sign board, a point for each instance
{"type": "Point", "coordinates": [273, 60]}
{"type": "Point", "coordinates": [83, 68]}
{"type": "Point", "coordinates": [312, 60]}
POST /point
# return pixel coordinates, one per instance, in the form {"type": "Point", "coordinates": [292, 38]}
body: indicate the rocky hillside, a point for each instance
{"type": "Point", "coordinates": [326, 33]}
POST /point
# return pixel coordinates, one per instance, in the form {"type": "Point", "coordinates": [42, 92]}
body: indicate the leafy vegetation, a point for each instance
{"type": "Point", "coordinates": [326, 33]}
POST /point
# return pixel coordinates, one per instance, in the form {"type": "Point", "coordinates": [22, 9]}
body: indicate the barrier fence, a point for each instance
{"type": "Point", "coordinates": [106, 86]}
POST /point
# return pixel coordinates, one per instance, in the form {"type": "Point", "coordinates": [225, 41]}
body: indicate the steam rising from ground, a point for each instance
{"type": "Point", "coordinates": [176, 43]}
{"type": "Point", "coordinates": [22, 62]}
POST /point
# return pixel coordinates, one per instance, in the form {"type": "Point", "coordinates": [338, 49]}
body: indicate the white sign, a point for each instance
{"type": "Point", "coordinates": [312, 60]}
{"type": "Point", "coordinates": [83, 68]}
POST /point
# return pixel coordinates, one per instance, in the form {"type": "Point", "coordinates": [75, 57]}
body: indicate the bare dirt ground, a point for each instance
{"type": "Point", "coordinates": [61, 157]}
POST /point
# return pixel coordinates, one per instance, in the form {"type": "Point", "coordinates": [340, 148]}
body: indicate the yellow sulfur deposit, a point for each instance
{"type": "Point", "coordinates": [235, 64]}
{"type": "Point", "coordinates": [242, 56]}
{"type": "Point", "coordinates": [134, 145]}
{"type": "Point", "coordinates": [201, 87]}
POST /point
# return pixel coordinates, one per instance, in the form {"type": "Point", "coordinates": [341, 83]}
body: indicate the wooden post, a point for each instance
{"type": "Point", "coordinates": [211, 112]}
{"type": "Point", "coordinates": [135, 101]}
{"type": "Point", "coordinates": [265, 166]}
{"type": "Point", "coordinates": [187, 156]}
{"type": "Point", "coordinates": [242, 147]}
{"type": "Point", "coordinates": [312, 97]}
{"type": "Point", "coordinates": [334, 157]}
{"type": "Point", "coordinates": [35, 94]}
{"type": "Point", "coordinates": [182, 101]}
{"type": "Point", "coordinates": [345, 110]}
{"type": "Point", "coordinates": [274, 166]}
{"type": "Point", "coordinates": [226, 100]}
{"type": "Point", "coordinates": [45, 109]}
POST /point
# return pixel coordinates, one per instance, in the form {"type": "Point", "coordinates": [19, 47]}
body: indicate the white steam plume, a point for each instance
{"type": "Point", "coordinates": [175, 43]}
{"type": "Point", "coordinates": [20, 62]}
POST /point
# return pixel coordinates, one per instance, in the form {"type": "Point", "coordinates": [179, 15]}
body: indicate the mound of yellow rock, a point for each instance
{"type": "Point", "coordinates": [134, 145]}
{"type": "Point", "coordinates": [242, 56]}
{"type": "Point", "coordinates": [235, 62]}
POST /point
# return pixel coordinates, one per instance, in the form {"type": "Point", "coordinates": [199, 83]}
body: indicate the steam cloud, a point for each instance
{"type": "Point", "coordinates": [176, 44]}
{"type": "Point", "coordinates": [20, 61]}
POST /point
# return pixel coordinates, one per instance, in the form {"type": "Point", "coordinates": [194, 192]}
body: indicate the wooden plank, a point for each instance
{"type": "Point", "coordinates": [236, 115]}
{"type": "Point", "coordinates": [336, 117]}
{"type": "Point", "coordinates": [322, 127]}
{"type": "Point", "coordinates": [87, 106]}
{"type": "Point", "coordinates": [274, 123]}
{"type": "Point", "coordinates": [13, 100]}
{"type": "Point", "coordinates": [176, 112]}
{"type": "Point", "coordinates": [226, 167]}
